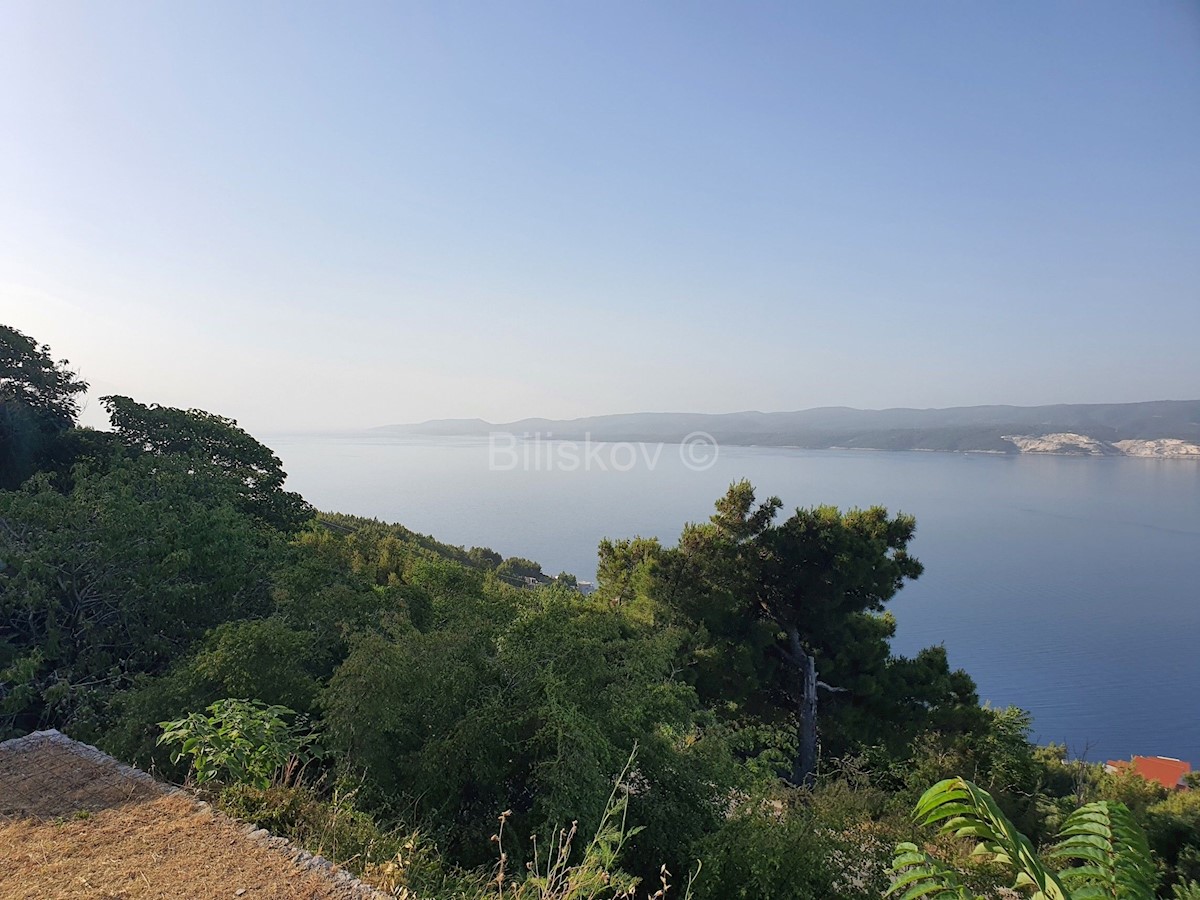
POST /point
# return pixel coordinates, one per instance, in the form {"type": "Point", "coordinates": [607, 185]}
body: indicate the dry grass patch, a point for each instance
{"type": "Point", "coordinates": [44, 777]}
{"type": "Point", "coordinates": [160, 848]}
{"type": "Point", "coordinates": [76, 824]}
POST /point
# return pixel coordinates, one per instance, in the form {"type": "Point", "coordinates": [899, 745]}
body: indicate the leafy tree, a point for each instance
{"type": "Point", "coordinates": [995, 753]}
{"type": "Point", "coordinates": [530, 702]}
{"type": "Point", "coordinates": [29, 376]}
{"type": "Point", "coordinates": [118, 576]}
{"type": "Point", "coordinates": [516, 567]}
{"type": "Point", "coordinates": [1131, 789]}
{"type": "Point", "coordinates": [779, 605]}
{"type": "Point", "coordinates": [1173, 828]}
{"type": "Point", "coordinates": [484, 557]}
{"type": "Point", "coordinates": [38, 402]}
{"type": "Point", "coordinates": [219, 443]}
{"type": "Point", "coordinates": [623, 568]}
{"type": "Point", "coordinates": [767, 850]}
{"type": "Point", "coordinates": [262, 658]}
{"type": "Point", "coordinates": [285, 659]}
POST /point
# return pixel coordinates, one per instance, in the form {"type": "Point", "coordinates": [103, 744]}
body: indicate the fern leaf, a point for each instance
{"type": "Point", "coordinates": [965, 810]}
{"type": "Point", "coordinates": [919, 875]}
{"type": "Point", "coordinates": [1116, 861]}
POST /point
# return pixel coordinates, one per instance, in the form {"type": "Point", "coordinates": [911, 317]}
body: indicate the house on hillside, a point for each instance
{"type": "Point", "coordinates": [1166, 770]}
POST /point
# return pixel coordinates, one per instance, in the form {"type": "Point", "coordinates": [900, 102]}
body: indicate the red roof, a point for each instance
{"type": "Point", "coordinates": [1165, 770]}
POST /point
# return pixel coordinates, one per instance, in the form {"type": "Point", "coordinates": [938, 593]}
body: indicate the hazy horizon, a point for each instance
{"type": "Point", "coordinates": [735, 412]}
{"type": "Point", "coordinates": [309, 216]}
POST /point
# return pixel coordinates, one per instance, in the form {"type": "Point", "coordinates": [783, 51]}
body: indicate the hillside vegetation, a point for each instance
{"type": "Point", "coordinates": [723, 717]}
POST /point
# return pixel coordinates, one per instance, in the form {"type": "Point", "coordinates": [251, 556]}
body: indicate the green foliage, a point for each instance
{"type": "Point", "coordinates": [370, 538]}
{"type": "Point", "coordinates": [831, 842]}
{"type": "Point", "coordinates": [38, 403]}
{"type": "Point", "coordinates": [623, 568]}
{"type": "Point", "coordinates": [554, 874]}
{"type": "Point", "coordinates": [30, 377]}
{"type": "Point", "coordinates": [920, 875]}
{"type": "Point", "coordinates": [515, 567]}
{"type": "Point", "coordinates": [1131, 789]}
{"type": "Point", "coordinates": [766, 600]}
{"type": "Point", "coordinates": [329, 824]}
{"type": "Point", "coordinates": [484, 557]}
{"type": "Point", "coordinates": [261, 658]}
{"type": "Point", "coordinates": [1110, 851]}
{"type": "Point", "coordinates": [218, 443]}
{"type": "Point", "coordinates": [995, 753]}
{"type": "Point", "coordinates": [595, 877]}
{"type": "Point", "coordinates": [324, 588]}
{"type": "Point", "coordinates": [20, 684]}
{"type": "Point", "coordinates": [119, 576]}
{"type": "Point", "coordinates": [765, 850]}
{"type": "Point", "coordinates": [1173, 828]}
{"type": "Point", "coordinates": [240, 742]}
{"type": "Point", "coordinates": [405, 863]}
{"type": "Point", "coordinates": [529, 702]}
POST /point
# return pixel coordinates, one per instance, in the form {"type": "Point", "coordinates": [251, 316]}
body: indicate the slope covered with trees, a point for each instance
{"type": "Point", "coordinates": [423, 713]}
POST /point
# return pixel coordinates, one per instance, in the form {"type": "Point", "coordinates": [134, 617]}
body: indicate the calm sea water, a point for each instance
{"type": "Point", "coordinates": [1069, 587]}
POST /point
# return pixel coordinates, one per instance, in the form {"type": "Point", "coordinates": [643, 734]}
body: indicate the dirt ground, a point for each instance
{"type": "Point", "coordinates": [76, 825]}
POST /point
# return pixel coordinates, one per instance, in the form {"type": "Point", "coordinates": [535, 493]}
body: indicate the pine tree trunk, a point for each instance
{"type": "Point", "coordinates": [805, 764]}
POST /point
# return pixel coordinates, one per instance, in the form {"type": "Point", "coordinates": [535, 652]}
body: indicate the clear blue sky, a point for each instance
{"type": "Point", "coordinates": [327, 215]}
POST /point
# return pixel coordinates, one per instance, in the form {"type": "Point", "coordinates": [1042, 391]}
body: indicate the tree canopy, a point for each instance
{"type": "Point", "coordinates": [114, 578]}
{"type": "Point", "coordinates": [38, 402]}
{"type": "Point", "coordinates": [779, 604]}
{"type": "Point", "coordinates": [218, 442]}
{"type": "Point", "coordinates": [29, 376]}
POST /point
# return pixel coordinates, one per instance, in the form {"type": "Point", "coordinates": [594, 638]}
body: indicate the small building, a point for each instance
{"type": "Point", "coordinates": [1165, 770]}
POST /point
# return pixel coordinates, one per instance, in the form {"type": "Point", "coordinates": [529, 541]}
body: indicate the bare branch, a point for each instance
{"type": "Point", "coordinates": [832, 689]}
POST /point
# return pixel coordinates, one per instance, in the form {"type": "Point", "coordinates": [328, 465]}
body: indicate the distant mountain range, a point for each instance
{"type": "Point", "coordinates": [1154, 428]}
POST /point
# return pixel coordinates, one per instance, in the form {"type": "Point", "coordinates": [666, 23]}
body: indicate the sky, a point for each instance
{"type": "Point", "coordinates": [312, 216]}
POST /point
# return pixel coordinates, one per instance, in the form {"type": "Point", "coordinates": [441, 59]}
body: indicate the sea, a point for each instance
{"type": "Point", "coordinates": [1068, 586]}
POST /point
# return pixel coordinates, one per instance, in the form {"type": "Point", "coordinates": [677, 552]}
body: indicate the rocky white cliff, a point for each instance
{"type": "Point", "coordinates": [1067, 443]}
{"type": "Point", "coordinates": [1172, 447]}
{"type": "Point", "coordinates": [1064, 443]}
